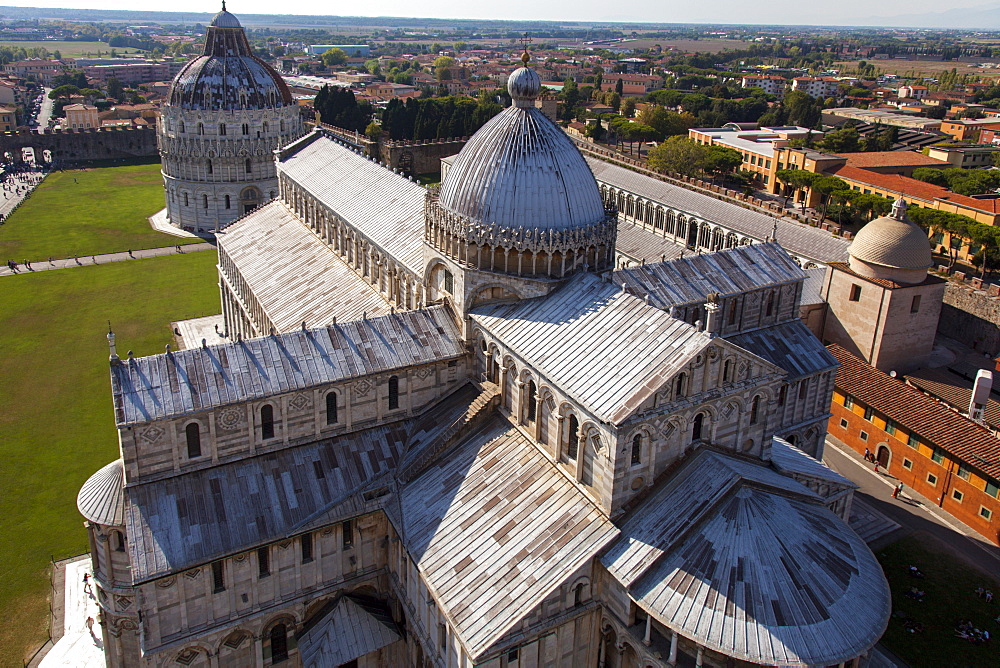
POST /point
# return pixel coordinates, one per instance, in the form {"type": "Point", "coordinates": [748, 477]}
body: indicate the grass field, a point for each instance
{"type": "Point", "coordinates": [88, 212]}
{"type": "Point", "coordinates": [950, 586]}
{"type": "Point", "coordinates": [923, 68]}
{"type": "Point", "coordinates": [57, 421]}
{"type": "Point", "coordinates": [69, 49]}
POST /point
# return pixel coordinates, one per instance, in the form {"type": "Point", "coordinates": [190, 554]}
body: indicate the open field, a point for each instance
{"type": "Point", "coordinates": [950, 595]}
{"type": "Point", "coordinates": [923, 68]}
{"type": "Point", "coordinates": [686, 45]}
{"type": "Point", "coordinates": [69, 49]}
{"type": "Point", "coordinates": [88, 212]}
{"type": "Point", "coordinates": [57, 415]}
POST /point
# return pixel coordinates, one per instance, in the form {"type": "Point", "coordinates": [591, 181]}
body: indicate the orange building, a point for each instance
{"type": "Point", "coordinates": [932, 449]}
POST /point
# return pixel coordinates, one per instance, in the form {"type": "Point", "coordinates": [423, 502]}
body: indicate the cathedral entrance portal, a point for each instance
{"type": "Point", "coordinates": [882, 454]}
{"type": "Point", "coordinates": [249, 199]}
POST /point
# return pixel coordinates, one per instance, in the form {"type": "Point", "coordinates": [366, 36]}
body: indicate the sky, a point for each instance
{"type": "Point", "coordinates": [787, 12]}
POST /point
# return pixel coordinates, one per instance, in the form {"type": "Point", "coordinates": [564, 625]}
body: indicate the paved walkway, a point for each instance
{"type": "Point", "coordinates": [45, 265]}
{"type": "Point", "coordinates": [911, 511]}
{"type": "Point", "coordinates": [79, 647]}
{"type": "Point", "coordinates": [27, 181]}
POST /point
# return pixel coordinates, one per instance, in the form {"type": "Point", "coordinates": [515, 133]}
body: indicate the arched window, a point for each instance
{"type": "Point", "coordinates": [680, 385]}
{"type": "Point", "coordinates": [578, 594]}
{"type": "Point", "coordinates": [228, 203]}
{"type": "Point", "coordinates": [530, 398]}
{"type": "Point", "coordinates": [118, 541]}
{"type": "Point", "coordinates": [186, 202]}
{"type": "Point", "coordinates": [201, 128]}
{"type": "Point", "coordinates": [266, 421]}
{"type": "Point", "coordinates": [281, 125]}
{"type": "Point", "coordinates": [248, 166]}
{"type": "Point", "coordinates": [279, 643]}
{"type": "Point", "coordinates": [697, 427]}
{"type": "Point", "coordinates": [732, 312]}
{"type": "Point", "coordinates": [782, 395]}
{"type": "Point", "coordinates": [265, 127]}
{"type": "Point", "coordinates": [246, 128]}
{"type": "Point", "coordinates": [393, 393]}
{"type": "Point", "coordinates": [182, 126]}
{"type": "Point", "coordinates": [193, 433]}
{"type": "Point", "coordinates": [770, 304]}
{"type": "Point", "coordinates": [574, 437]}
{"type": "Point", "coordinates": [331, 408]}
{"type": "Point", "coordinates": [754, 410]}
{"type": "Point", "coordinates": [727, 371]}
{"type": "Point", "coordinates": [636, 449]}
{"type": "Point", "coordinates": [208, 164]}
{"type": "Point", "coordinates": [204, 201]}
{"type": "Point", "coordinates": [222, 129]}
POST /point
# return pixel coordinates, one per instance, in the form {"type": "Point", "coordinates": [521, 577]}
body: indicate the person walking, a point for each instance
{"type": "Point", "coordinates": [876, 466]}
{"type": "Point", "coordinates": [897, 490]}
{"type": "Point", "coordinates": [868, 455]}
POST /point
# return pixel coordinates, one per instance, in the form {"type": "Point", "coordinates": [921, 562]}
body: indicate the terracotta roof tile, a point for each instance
{"type": "Point", "coordinates": [932, 421]}
{"type": "Point", "coordinates": [885, 283]}
{"type": "Point", "coordinates": [913, 188]}
{"type": "Point", "coordinates": [892, 159]}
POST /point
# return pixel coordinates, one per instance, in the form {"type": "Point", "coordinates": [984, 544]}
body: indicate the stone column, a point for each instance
{"type": "Point", "coordinates": [699, 660]}
{"type": "Point", "coordinates": [672, 658]}
{"type": "Point", "coordinates": [647, 640]}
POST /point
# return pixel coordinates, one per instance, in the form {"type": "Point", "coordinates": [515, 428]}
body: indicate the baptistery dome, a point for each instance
{"type": "Point", "coordinates": [227, 76]}
{"type": "Point", "coordinates": [521, 170]}
{"type": "Point", "coordinates": [891, 247]}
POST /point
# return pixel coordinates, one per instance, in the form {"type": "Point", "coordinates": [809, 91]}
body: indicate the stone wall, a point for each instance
{"type": "Point", "coordinates": [83, 145]}
{"type": "Point", "coordinates": [972, 316]}
{"type": "Point", "coordinates": [419, 157]}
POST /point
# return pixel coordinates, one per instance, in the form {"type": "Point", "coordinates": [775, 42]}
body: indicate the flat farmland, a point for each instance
{"type": "Point", "coordinates": [928, 68]}
{"type": "Point", "coordinates": [67, 49]}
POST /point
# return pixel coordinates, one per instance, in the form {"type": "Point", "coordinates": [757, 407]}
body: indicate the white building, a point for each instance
{"type": "Point", "coordinates": [448, 433]}
{"type": "Point", "coordinates": [769, 83]}
{"type": "Point", "coordinates": [226, 113]}
{"type": "Point", "coordinates": [822, 87]}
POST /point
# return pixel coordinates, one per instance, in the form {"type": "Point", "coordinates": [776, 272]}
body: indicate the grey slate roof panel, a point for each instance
{"type": "Point", "coordinates": [732, 271]}
{"type": "Point", "coordinates": [800, 239]}
{"type": "Point", "coordinates": [101, 499]}
{"type": "Point", "coordinates": [790, 346]}
{"type": "Point", "coordinates": [188, 381]}
{"type": "Point", "coordinates": [346, 633]}
{"type": "Point", "coordinates": [640, 244]}
{"type": "Point", "coordinates": [185, 521]}
{"type": "Point", "coordinates": [494, 528]}
{"type": "Point", "coordinates": [294, 274]}
{"type": "Point", "coordinates": [787, 458]}
{"type": "Point", "coordinates": [607, 349]}
{"type": "Point", "coordinates": [760, 571]}
{"type": "Point", "coordinates": [385, 207]}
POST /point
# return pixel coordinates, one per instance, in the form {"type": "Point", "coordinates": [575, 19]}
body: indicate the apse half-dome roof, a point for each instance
{"type": "Point", "coordinates": [227, 76]}
{"type": "Point", "coordinates": [102, 498]}
{"type": "Point", "coordinates": [521, 170]}
{"type": "Point", "coordinates": [892, 241]}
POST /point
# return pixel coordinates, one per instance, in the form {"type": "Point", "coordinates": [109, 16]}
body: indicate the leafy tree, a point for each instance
{"type": "Point", "coordinates": [442, 67]}
{"type": "Point", "coordinates": [374, 131]}
{"type": "Point", "coordinates": [802, 109]}
{"type": "Point", "coordinates": [681, 155]}
{"type": "Point", "coordinates": [628, 107]}
{"type": "Point", "coordinates": [339, 107]}
{"type": "Point", "coordinates": [334, 57]}
{"type": "Point", "coordinates": [115, 88]}
{"type": "Point", "coordinates": [63, 92]}
{"type": "Point", "coordinates": [826, 186]}
{"type": "Point", "coordinates": [930, 175]}
{"type": "Point", "coordinates": [722, 160]}
{"type": "Point", "coordinates": [620, 86]}
{"type": "Point", "coordinates": [570, 97]}
{"type": "Point", "coordinates": [797, 179]}
{"type": "Point", "coordinates": [668, 123]}
{"type": "Point", "coordinates": [844, 140]}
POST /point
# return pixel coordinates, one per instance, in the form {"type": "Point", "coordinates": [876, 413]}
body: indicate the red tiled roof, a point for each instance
{"type": "Point", "coordinates": [891, 159]}
{"type": "Point", "coordinates": [884, 282]}
{"type": "Point", "coordinates": [913, 410]}
{"type": "Point", "coordinates": [912, 188]}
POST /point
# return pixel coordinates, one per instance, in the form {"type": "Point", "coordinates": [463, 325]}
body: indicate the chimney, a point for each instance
{"type": "Point", "coordinates": [980, 395]}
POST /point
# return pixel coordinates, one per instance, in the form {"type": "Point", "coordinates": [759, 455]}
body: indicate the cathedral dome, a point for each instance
{"type": "Point", "coordinates": [891, 247]}
{"type": "Point", "coordinates": [227, 76]}
{"type": "Point", "coordinates": [520, 170]}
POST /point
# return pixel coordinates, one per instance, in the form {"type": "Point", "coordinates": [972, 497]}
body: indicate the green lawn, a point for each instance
{"type": "Point", "coordinates": [950, 595]}
{"type": "Point", "coordinates": [87, 212]}
{"type": "Point", "coordinates": [57, 421]}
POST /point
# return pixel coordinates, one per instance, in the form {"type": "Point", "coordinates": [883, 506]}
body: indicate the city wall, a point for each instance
{"type": "Point", "coordinates": [83, 145]}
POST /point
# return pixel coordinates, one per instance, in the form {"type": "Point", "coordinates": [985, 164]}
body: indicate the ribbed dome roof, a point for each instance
{"type": "Point", "coordinates": [102, 498]}
{"type": "Point", "coordinates": [892, 241]}
{"type": "Point", "coordinates": [227, 76]}
{"type": "Point", "coordinates": [521, 170]}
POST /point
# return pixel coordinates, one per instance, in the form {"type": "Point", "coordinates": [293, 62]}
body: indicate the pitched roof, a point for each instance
{"type": "Point", "coordinates": [294, 275]}
{"type": "Point", "coordinates": [892, 159]}
{"type": "Point", "coordinates": [188, 381]}
{"type": "Point", "coordinates": [188, 520]}
{"type": "Point", "coordinates": [914, 411]}
{"type": "Point", "coordinates": [385, 207]}
{"type": "Point", "coordinates": [811, 242]}
{"type": "Point", "coordinates": [954, 390]}
{"type": "Point", "coordinates": [494, 528]}
{"type": "Point", "coordinates": [748, 562]}
{"type": "Point", "coordinates": [347, 632]}
{"type": "Point", "coordinates": [732, 271]}
{"type": "Point", "coordinates": [606, 348]}
{"type": "Point", "coordinates": [790, 346]}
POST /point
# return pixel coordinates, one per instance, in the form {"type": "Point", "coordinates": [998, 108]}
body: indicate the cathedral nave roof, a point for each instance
{"type": "Point", "coordinates": [385, 207]}
{"type": "Point", "coordinates": [188, 381]}
{"type": "Point", "coordinates": [800, 239]}
{"type": "Point", "coordinates": [295, 276]}
{"type": "Point", "coordinates": [749, 563]}
{"type": "Point", "coordinates": [727, 272]}
{"type": "Point", "coordinates": [790, 346]}
{"type": "Point", "coordinates": [185, 521]}
{"type": "Point", "coordinates": [494, 529]}
{"type": "Point", "coordinates": [603, 346]}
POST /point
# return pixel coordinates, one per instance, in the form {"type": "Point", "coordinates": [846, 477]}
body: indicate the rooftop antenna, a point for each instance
{"type": "Point", "coordinates": [223, 5]}
{"type": "Point", "coordinates": [114, 359]}
{"type": "Point", "coordinates": [774, 231]}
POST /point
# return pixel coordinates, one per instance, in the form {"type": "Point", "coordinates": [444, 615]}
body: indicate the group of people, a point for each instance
{"type": "Point", "coordinates": [18, 183]}
{"type": "Point", "coordinates": [967, 631]}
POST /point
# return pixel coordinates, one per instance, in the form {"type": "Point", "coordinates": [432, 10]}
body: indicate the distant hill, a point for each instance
{"type": "Point", "coordinates": [983, 17]}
